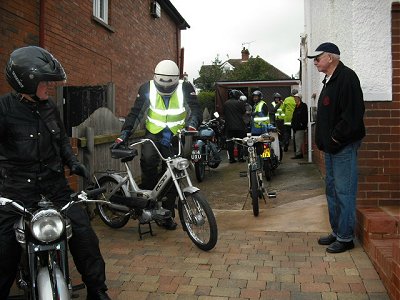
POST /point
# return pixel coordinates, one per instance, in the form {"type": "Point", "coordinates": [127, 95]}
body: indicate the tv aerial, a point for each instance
{"type": "Point", "coordinates": [247, 43]}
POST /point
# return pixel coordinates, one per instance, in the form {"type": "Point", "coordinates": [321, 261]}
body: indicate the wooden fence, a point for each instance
{"type": "Point", "coordinates": [95, 136]}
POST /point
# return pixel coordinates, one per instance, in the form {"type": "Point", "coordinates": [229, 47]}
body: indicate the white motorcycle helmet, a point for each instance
{"type": "Point", "coordinates": [166, 77]}
{"type": "Point", "coordinates": [243, 98]}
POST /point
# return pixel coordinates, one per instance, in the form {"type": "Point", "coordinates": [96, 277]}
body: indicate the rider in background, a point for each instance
{"type": "Point", "coordinates": [288, 107]}
{"type": "Point", "coordinates": [33, 151]}
{"type": "Point", "coordinates": [234, 110]}
{"type": "Point", "coordinates": [247, 114]}
{"type": "Point", "coordinates": [277, 116]}
{"type": "Point", "coordinates": [260, 114]}
{"type": "Point", "coordinates": [167, 104]}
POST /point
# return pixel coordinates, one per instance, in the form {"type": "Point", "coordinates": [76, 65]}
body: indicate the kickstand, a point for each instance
{"type": "Point", "coordinates": [141, 233]}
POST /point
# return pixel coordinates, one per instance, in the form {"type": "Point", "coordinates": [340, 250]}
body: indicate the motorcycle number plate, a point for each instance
{"type": "Point", "coordinates": [266, 153]}
{"type": "Point", "coordinates": [196, 155]}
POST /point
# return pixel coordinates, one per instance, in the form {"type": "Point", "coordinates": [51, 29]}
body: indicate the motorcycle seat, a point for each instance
{"type": "Point", "coordinates": [124, 154]}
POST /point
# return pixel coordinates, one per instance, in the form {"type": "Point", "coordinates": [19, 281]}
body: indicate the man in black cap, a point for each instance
{"type": "Point", "coordinates": [339, 131]}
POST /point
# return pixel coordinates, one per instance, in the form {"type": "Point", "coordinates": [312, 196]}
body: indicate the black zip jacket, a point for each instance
{"type": "Point", "coordinates": [340, 111]}
{"type": "Point", "coordinates": [32, 136]}
{"type": "Point", "coordinates": [300, 117]}
{"type": "Point", "coordinates": [234, 110]}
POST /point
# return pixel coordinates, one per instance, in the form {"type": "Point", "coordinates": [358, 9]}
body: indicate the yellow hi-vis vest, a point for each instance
{"type": "Point", "coordinates": [160, 117]}
{"type": "Point", "coordinates": [279, 114]}
{"type": "Point", "coordinates": [259, 119]}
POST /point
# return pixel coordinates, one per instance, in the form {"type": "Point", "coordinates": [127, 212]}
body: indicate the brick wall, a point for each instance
{"type": "Point", "coordinates": [90, 53]}
{"type": "Point", "coordinates": [379, 155]}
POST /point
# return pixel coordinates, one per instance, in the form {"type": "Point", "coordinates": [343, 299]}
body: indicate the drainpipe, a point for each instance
{"type": "Point", "coordinates": [41, 23]}
{"type": "Point", "coordinates": [307, 65]}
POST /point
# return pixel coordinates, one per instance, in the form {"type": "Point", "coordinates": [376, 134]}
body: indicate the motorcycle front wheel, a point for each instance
{"type": "Point", "coordinates": [52, 285]}
{"type": "Point", "coordinates": [254, 192]}
{"type": "Point", "coordinates": [110, 216]}
{"type": "Point", "coordinates": [198, 220]}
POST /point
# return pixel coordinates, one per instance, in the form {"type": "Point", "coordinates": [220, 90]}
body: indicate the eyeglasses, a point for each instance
{"type": "Point", "coordinates": [318, 58]}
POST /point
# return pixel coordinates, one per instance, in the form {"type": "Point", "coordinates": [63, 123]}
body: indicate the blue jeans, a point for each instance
{"type": "Point", "coordinates": [341, 190]}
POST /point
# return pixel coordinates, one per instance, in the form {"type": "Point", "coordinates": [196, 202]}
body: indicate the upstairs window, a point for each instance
{"type": "Point", "coordinates": [100, 10]}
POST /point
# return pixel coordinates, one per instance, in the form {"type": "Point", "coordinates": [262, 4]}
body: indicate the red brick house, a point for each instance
{"type": "Point", "coordinates": [97, 42]}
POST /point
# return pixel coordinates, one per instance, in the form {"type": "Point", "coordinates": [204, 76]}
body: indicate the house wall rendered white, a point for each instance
{"type": "Point", "coordinates": [362, 31]}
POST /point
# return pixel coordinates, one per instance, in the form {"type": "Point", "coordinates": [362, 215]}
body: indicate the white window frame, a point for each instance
{"type": "Point", "coordinates": [100, 10]}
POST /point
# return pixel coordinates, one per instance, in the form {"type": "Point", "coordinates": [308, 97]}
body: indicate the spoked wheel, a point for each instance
{"type": "Point", "coordinates": [111, 216]}
{"type": "Point", "coordinates": [254, 192]}
{"type": "Point", "coordinates": [200, 169]}
{"type": "Point", "coordinates": [198, 221]}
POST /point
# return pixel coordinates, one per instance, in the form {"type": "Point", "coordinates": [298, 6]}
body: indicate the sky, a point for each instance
{"type": "Point", "coordinates": [270, 29]}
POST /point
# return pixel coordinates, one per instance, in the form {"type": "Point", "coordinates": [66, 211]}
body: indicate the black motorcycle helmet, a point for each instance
{"type": "Point", "coordinates": [30, 65]}
{"type": "Point", "coordinates": [235, 94]}
{"type": "Point", "coordinates": [257, 93]}
{"type": "Point", "coordinates": [277, 95]}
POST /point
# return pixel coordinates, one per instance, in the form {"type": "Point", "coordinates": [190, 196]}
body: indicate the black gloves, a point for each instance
{"type": "Point", "coordinates": [121, 139]}
{"type": "Point", "coordinates": [80, 169]}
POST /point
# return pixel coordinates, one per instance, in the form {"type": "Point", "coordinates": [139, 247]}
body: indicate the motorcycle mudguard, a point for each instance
{"type": "Point", "coordinates": [190, 190]}
{"type": "Point", "coordinates": [118, 178]}
{"type": "Point", "coordinates": [44, 285]}
{"type": "Point", "coordinates": [275, 144]}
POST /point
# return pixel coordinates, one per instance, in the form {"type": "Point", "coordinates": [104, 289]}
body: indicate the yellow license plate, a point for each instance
{"type": "Point", "coordinates": [266, 153]}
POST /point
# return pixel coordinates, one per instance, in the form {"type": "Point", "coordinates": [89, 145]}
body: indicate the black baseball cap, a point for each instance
{"type": "Point", "coordinates": [324, 47]}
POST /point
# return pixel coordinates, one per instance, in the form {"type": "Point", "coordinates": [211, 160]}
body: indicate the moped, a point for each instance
{"type": "Point", "coordinates": [125, 198]}
{"type": "Point", "coordinates": [43, 233]}
{"type": "Point", "coordinates": [256, 187]}
{"type": "Point", "coordinates": [205, 150]}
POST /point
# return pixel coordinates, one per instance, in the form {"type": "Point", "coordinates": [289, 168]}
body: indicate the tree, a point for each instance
{"type": "Point", "coordinates": [209, 74]}
{"type": "Point", "coordinates": [253, 69]}
{"type": "Point", "coordinates": [207, 100]}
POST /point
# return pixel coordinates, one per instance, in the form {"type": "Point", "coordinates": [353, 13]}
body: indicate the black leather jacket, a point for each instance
{"type": "Point", "coordinates": [32, 136]}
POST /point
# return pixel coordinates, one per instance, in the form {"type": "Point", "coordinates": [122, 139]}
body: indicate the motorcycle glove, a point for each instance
{"type": "Point", "coordinates": [121, 139]}
{"type": "Point", "coordinates": [78, 168]}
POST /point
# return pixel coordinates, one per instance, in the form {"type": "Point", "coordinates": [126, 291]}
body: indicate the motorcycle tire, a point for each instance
{"type": "Point", "coordinates": [213, 165]}
{"type": "Point", "coordinates": [200, 169]}
{"type": "Point", "coordinates": [254, 192]}
{"type": "Point", "coordinates": [267, 170]}
{"type": "Point", "coordinates": [201, 225]}
{"type": "Point", "coordinates": [110, 216]}
{"type": "Point", "coordinates": [45, 285]}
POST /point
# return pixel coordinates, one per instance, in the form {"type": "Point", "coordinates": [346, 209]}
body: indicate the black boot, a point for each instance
{"type": "Point", "coordinates": [97, 295]}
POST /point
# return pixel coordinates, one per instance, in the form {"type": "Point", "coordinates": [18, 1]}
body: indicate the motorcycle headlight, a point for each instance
{"type": "Point", "coordinates": [250, 142]}
{"type": "Point", "coordinates": [181, 164]}
{"type": "Point", "coordinates": [47, 225]}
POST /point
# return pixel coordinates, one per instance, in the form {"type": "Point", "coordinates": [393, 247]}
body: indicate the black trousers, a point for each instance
{"type": "Point", "coordinates": [231, 145]}
{"type": "Point", "coordinates": [152, 167]}
{"type": "Point", "coordinates": [83, 245]}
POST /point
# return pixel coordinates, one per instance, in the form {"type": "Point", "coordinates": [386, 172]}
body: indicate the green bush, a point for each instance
{"type": "Point", "coordinates": [207, 100]}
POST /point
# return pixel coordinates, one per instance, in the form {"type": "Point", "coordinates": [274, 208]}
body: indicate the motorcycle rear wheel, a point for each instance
{"type": "Point", "coordinates": [201, 225]}
{"type": "Point", "coordinates": [254, 192]}
{"type": "Point", "coordinates": [111, 217]}
{"type": "Point", "coordinates": [267, 169]}
{"type": "Point", "coordinates": [200, 169]}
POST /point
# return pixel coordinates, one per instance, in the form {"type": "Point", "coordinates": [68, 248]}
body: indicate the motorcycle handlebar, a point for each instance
{"type": "Point", "coordinates": [80, 197]}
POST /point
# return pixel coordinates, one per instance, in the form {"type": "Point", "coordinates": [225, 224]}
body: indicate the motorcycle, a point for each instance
{"type": "Point", "coordinates": [125, 199]}
{"type": "Point", "coordinates": [205, 150]}
{"type": "Point", "coordinates": [218, 125]}
{"type": "Point", "coordinates": [43, 233]}
{"type": "Point", "coordinates": [271, 152]}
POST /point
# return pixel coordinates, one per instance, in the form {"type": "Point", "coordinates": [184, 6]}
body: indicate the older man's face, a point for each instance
{"type": "Point", "coordinates": [322, 62]}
